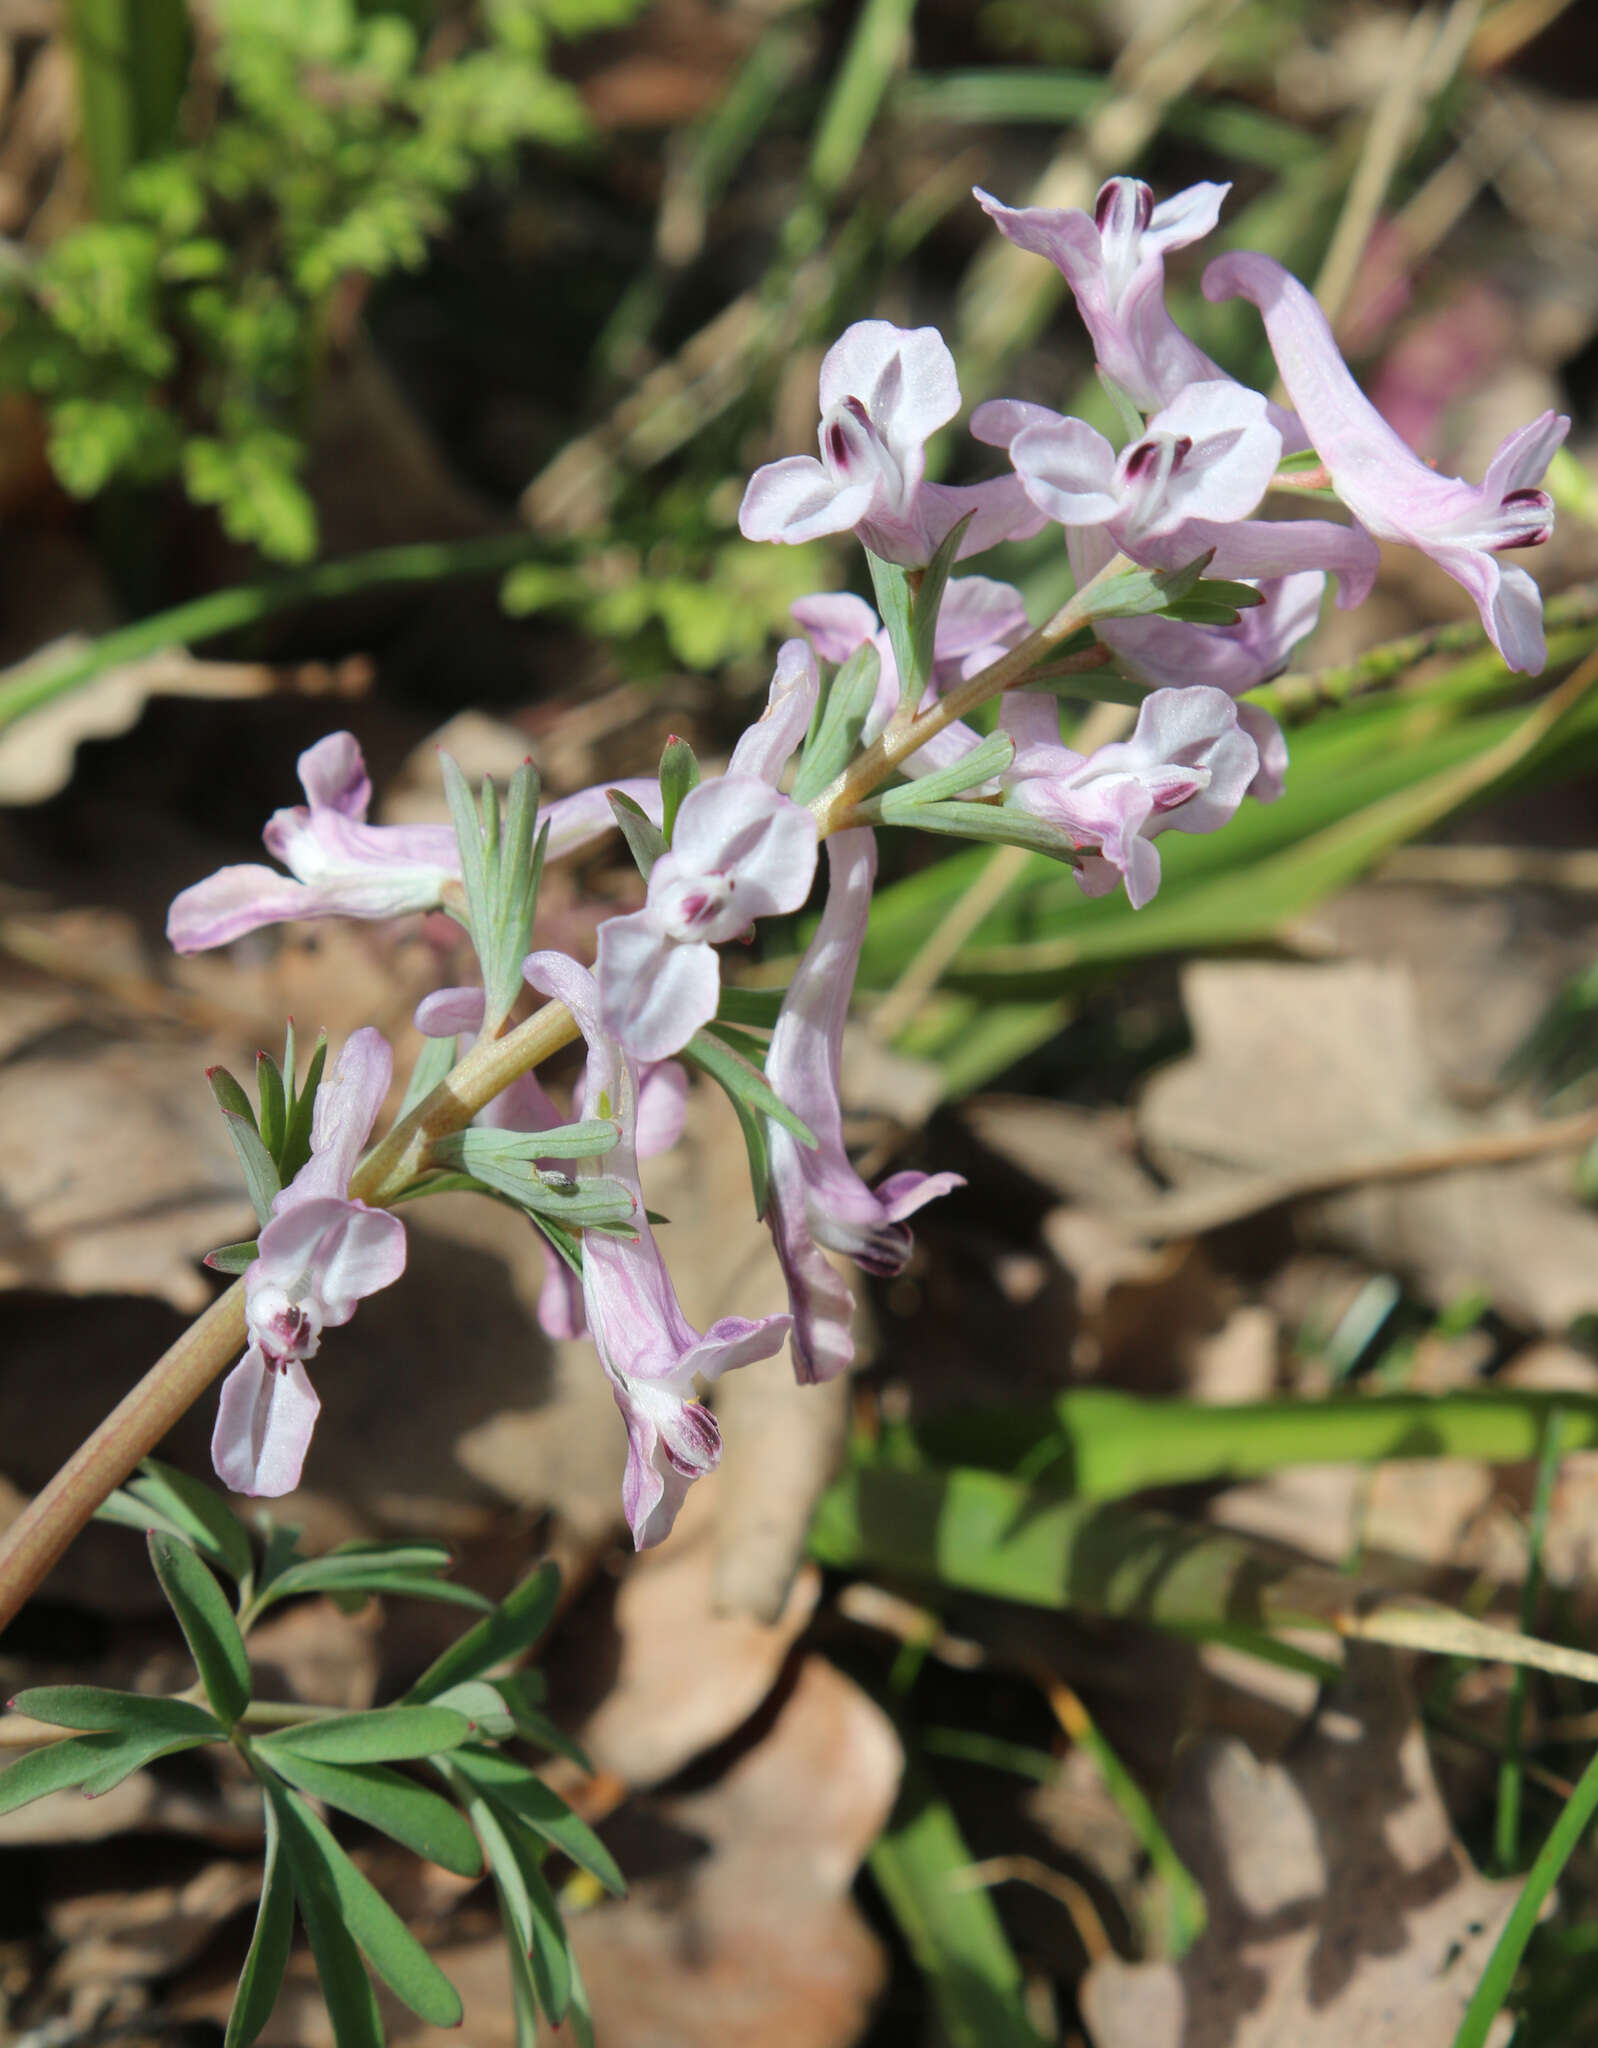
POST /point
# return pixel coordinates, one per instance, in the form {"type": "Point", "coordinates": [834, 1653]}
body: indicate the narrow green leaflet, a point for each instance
{"type": "Point", "coordinates": [535, 1726]}
{"type": "Point", "coordinates": [891, 586]}
{"type": "Point", "coordinates": [836, 733]}
{"type": "Point", "coordinates": [207, 1624]}
{"type": "Point", "coordinates": [514, 1787]}
{"type": "Point", "coordinates": [301, 1106]}
{"type": "Point", "coordinates": [645, 840]}
{"type": "Point", "coordinates": [1132, 593]}
{"type": "Point", "coordinates": [757, 1007]}
{"type": "Point", "coordinates": [235, 1258]}
{"type": "Point", "coordinates": [352, 1594]}
{"type": "Point", "coordinates": [679, 773]}
{"type": "Point", "coordinates": [992, 757]}
{"type": "Point", "coordinates": [928, 604]}
{"type": "Point", "coordinates": [356, 1568]}
{"type": "Point", "coordinates": [274, 1103]}
{"type": "Point", "coordinates": [973, 819]}
{"type": "Point", "coordinates": [54, 1767]}
{"type": "Point", "coordinates": [133, 1751]}
{"type": "Point", "coordinates": [128, 1713]}
{"type": "Point", "coordinates": [742, 1079]}
{"type": "Point", "coordinates": [199, 1513]}
{"type": "Point", "coordinates": [255, 1161]}
{"type": "Point", "coordinates": [385, 1735]}
{"type": "Point", "coordinates": [483, 1705]}
{"type": "Point", "coordinates": [386, 1800]}
{"type": "Point", "coordinates": [758, 1150]}
{"type": "Point", "coordinates": [382, 1937]}
{"type": "Point", "coordinates": [474, 1149]}
{"type": "Point", "coordinates": [351, 2001]}
{"type": "Point", "coordinates": [262, 1976]}
{"type": "Point", "coordinates": [528, 1905]}
{"type": "Point", "coordinates": [591, 1201]}
{"type": "Point", "coordinates": [514, 1626]}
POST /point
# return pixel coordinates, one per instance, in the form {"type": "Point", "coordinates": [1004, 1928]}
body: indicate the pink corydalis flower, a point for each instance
{"type": "Point", "coordinates": [739, 851]}
{"type": "Point", "coordinates": [652, 1355]}
{"type": "Point", "coordinates": [1210, 454]}
{"type": "Point", "coordinates": [1463, 527]}
{"type": "Point", "coordinates": [340, 866]}
{"type": "Point", "coordinates": [1114, 261]}
{"type": "Point", "coordinates": [1169, 654]}
{"type": "Point", "coordinates": [1186, 768]}
{"type": "Point", "coordinates": [885, 391]}
{"type": "Point", "coordinates": [1180, 491]}
{"type": "Point", "coordinates": [816, 1199]}
{"type": "Point", "coordinates": [525, 1106]}
{"type": "Point", "coordinates": [319, 1256]}
{"type": "Point", "coordinates": [978, 621]}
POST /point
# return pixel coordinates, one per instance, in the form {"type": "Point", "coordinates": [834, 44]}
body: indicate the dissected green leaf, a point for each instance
{"type": "Point", "coordinates": [386, 1800]}
{"type": "Point", "coordinates": [351, 2001]}
{"type": "Point", "coordinates": [381, 1935]}
{"type": "Point", "coordinates": [301, 1105]}
{"type": "Point", "coordinates": [234, 1258]}
{"type": "Point", "coordinates": [742, 1079]}
{"type": "Point", "coordinates": [924, 612]}
{"type": "Point", "coordinates": [524, 1794]}
{"type": "Point", "coordinates": [133, 1751]}
{"type": "Point", "coordinates": [262, 1976]}
{"type": "Point", "coordinates": [383, 1735]}
{"type": "Point", "coordinates": [200, 1513]}
{"type": "Point", "coordinates": [531, 1914]}
{"type": "Point", "coordinates": [679, 773]}
{"type": "Point", "coordinates": [260, 1173]}
{"type": "Point", "coordinates": [645, 840]}
{"type": "Point", "coordinates": [514, 1626]}
{"type": "Point", "coordinates": [274, 1105]}
{"type": "Point", "coordinates": [483, 1705]}
{"type": "Point", "coordinates": [207, 1624]}
{"type": "Point", "coordinates": [96, 1707]}
{"type": "Point", "coordinates": [758, 1007]}
{"type": "Point", "coordinates": [54, 1767]}
{"type": "Point", "coordinates": [992, 757]}
{"type": "Point", "coordinates": [1132, 593]}
{"type": "Point", "coordinates": [473, 1149]}
{"type": "Point", "coordinates": [836, 733]}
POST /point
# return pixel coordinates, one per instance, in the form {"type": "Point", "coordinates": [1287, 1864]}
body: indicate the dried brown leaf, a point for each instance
{"type": "Point", "coordinates": [1342, 1907]}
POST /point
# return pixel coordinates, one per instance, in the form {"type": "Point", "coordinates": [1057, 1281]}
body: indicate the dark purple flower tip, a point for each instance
{"type": "Point", "coordinates": [1532, 521]}
{"type": "Point", "coordinates": [1124, 206]}
{"type": "Point", "coordinates": [886, 1250]}
{"type": "Point", "coordinates": [693, 1443]}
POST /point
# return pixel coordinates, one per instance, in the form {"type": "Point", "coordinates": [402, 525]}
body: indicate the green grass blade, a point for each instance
{"type": "Point", "coordinates": [953, 1931]}
{"type": "Point", "coordinates": [1545, 1872]}
{"type": "Point", "coordinates": [1506, 1831]}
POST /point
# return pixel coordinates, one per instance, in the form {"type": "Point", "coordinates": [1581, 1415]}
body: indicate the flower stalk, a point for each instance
{"type": "Point", "coordinates": [35, 1542]}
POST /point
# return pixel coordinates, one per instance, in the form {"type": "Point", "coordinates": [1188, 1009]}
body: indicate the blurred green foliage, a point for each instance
{"type": "Point", "coordinates": [180, 333]}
